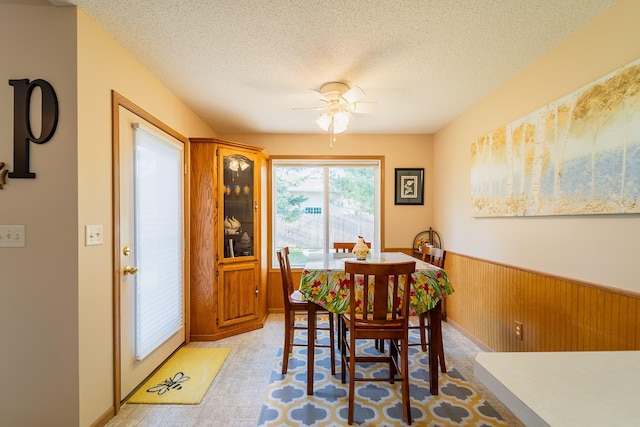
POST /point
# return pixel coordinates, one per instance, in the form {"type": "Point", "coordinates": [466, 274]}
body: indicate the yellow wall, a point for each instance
{"type": "Point", "coordinates": [401, 223]}
{"type": "Point", "coordinates": [103, 65]}
{"type": "Point", "coordinates": [599, 249]}
{"type": "Point", "coordinates": [56, 319]}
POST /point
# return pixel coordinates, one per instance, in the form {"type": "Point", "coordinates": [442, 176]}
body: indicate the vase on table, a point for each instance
{"type": "Point", "coordinates": [360, 249]}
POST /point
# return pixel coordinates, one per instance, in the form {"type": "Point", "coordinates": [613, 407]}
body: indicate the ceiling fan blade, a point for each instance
{"type": "Point", "coordinates": [320, 95]}
{"type": "Point", "coordinates": [317, 108]}
{"type": "Point", "coordinates": [365, 107]}
{"type": "Point", "coordinates": [353, 95]}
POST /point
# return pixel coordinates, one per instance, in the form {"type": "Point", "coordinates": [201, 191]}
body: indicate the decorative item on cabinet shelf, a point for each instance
{"type": "Point", "coordinates": [231, 252]}
{"type": "Point", "coordinates": [236, 190]}
{"type": "Point", "coordinates": [232, 225]}
{"type": "Point", "coordinates": [245, 245]}
{"type": "Point", "coordinates": [245, 239]}
{"type": "Point", "coordinates": [239, 247]}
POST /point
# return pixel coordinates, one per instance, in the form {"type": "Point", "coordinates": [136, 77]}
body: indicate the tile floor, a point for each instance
{"type": "Point", "coordinates": [236, 395]}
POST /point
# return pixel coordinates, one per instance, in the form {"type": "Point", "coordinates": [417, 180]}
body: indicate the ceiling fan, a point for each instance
{"type": "Point", "coordinates": [338, 103]}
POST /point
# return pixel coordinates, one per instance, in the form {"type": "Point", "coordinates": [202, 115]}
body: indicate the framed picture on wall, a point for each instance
{"type": "Point", "coordinates": [409, 186]}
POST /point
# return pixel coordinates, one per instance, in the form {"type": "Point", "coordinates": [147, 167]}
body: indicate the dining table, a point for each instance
{"type": "Point", "coordinates": [324, 282]}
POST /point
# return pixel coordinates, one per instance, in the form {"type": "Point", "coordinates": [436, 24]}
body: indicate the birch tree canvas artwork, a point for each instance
{"type": "Point", "coordinates": [575, 156]}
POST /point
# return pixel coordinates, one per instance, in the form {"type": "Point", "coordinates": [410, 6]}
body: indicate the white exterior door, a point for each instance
{"type": "Point", "coordinates": [152, 252]}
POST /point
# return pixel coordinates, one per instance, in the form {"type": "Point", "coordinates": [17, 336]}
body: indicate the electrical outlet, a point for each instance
{"type": "Point", "coordinates": [518, 330]}
{"type": "Point", "coordinates": [12, 236]}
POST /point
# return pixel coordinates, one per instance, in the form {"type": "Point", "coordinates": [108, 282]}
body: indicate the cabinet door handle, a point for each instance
{"type": "Point", "coordinates": [255, 206]}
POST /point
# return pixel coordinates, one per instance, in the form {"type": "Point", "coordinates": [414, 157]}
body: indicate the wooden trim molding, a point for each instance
{"type": "Point", "coordinates": [557, 314]}
{"type": "Point", "coordinates": [118, 101]}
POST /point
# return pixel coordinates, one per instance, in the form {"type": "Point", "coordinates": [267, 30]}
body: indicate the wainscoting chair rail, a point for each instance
{"type": "Point", "coordinates": [555, 313]}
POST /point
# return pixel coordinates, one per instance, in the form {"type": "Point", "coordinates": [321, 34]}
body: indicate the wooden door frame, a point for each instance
{"type": "Point", "coordinates": [118, 101]}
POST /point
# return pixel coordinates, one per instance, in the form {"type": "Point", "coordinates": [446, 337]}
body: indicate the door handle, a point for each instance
{"type": "Point", "coordinates": [129, 270]}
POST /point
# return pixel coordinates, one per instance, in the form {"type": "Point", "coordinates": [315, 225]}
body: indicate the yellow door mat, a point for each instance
{"type": "Point", "coordinates": [184, 378]}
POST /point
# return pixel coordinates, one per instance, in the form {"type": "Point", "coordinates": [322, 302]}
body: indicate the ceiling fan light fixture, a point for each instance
{"type": "Point", "coordinates": [339, 102]}
{"type": "Point", "coordinates": [324, 121]}
{"type": "Point", "coordinates": [340, 122]}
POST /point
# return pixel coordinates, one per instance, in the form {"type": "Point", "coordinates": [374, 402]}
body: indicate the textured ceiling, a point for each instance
{"type": "Point", "coordinates": [243, 65]}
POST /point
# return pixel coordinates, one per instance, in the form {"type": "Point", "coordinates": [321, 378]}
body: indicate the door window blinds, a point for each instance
{"type": "Point", "coordinates": [158, 223]}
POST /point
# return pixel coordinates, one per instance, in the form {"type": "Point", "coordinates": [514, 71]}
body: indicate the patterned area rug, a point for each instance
{"type": "Point", "coordinates": [376, 404]}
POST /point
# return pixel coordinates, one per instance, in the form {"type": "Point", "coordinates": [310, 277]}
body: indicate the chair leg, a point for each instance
{"type": "Point", "coordinates": [423, 327]}
{"type": "Point", "coordinates": [286, 349]}
{"type": "Point", "coordinates": [343, 352]}
{"type": "Point", "coordinates": [393, 360]}
{"type": "Point", "coordinates": [352, 376]}
{"type": "Point", "coordinates": [339, 330]}
{"type": "Point", "coordinates": [440, 344]}
{"type": "Point", "coordinates": [443, 365]}
{"type": "Point", "coordinates": [332, 343]}
{"type": "Point", "coordinates": [406, 397]}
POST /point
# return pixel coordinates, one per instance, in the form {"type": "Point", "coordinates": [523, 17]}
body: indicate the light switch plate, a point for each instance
{"type": "Point", "coordinates": [93, 235]}
{"type": "Point", "coordinates": [12, 236]}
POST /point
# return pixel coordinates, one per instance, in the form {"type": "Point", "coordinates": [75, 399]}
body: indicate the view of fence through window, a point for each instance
{"type": "Point", "coordinates": [316, 204]}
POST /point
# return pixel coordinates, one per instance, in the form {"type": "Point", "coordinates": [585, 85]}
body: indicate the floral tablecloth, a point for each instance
{"type": "Point", "coordinates": [325, 283]}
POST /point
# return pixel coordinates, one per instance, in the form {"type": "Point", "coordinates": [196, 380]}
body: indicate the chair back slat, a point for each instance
{"type": "Point", "coordinates": [380, 302]}
{"type": "Point", "coordinates": [434, 256]}
{"type": "Point", "coordinates": [285, 273]}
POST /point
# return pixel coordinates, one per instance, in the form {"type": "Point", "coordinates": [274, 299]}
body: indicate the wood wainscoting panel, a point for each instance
{"type": "Point", "coordinates": [557, 314]}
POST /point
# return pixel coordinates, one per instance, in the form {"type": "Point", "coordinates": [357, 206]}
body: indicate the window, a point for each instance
{"type": "Point", "coordinates": [317, 202]}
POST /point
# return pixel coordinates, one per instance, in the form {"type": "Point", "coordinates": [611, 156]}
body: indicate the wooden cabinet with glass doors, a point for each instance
{"type": "Point", "coordinates": [228, 252]}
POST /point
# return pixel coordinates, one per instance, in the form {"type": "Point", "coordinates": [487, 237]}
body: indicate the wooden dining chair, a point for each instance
{"type": "Point", "coordinates": [293, 310]}
{"type": "Point", "coordinates": [344, 247]}
{"type": "Point", "coordinates": [381, 313]}
{"type": "Point", "coordinates": [347, 247]}
{"type": "Point", "coordinates": [434, 256]}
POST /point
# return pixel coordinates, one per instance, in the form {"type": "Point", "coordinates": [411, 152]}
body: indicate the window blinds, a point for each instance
{"type": "Point", "coordinates": [158, 223]}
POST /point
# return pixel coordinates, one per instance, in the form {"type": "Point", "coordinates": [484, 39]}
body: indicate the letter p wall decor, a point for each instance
{"type": "Point", "coordinates": [22, 132]}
